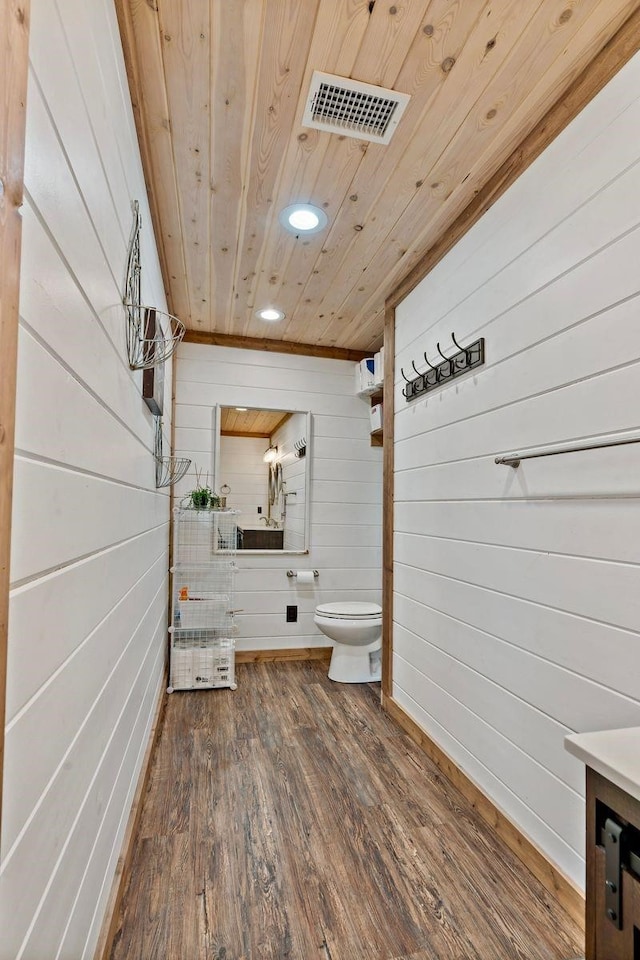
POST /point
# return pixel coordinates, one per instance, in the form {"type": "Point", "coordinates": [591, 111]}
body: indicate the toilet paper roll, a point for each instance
{"type": "Point", "coordinates": [305, 576]}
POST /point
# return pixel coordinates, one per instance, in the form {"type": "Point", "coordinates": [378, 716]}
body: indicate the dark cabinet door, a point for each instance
{"type": "Point", "coordinates": [611, 943]}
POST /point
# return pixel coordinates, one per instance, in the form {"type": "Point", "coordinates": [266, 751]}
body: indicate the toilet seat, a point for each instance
{"type": "Point", "coordinates": [353, 610]}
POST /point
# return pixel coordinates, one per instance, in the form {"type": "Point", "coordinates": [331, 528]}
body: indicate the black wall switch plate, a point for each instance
{"type": "Point", "coordinates": [292, 614]}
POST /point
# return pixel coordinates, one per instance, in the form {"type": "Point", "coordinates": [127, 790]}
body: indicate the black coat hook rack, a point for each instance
{"type": "Point", "coordinates": [465, 358]}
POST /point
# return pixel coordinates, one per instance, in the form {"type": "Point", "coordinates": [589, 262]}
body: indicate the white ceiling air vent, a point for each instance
{"type": "Point", "coordinates": [352, 108]}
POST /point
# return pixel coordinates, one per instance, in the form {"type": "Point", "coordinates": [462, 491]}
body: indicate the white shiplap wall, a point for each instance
{"type": "Point", "coordinates": [516, 614]}
{"type": "Point", "coordinates": [87, 630]}
{"type": "Point", "coordinates": [346, 482]}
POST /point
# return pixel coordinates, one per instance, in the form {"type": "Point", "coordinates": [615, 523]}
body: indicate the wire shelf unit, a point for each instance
{"type": "Point", "coordinates": [202, 629]}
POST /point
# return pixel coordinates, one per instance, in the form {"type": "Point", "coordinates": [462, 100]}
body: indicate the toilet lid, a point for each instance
{"type": "Point", "coordinates": [349, 611]}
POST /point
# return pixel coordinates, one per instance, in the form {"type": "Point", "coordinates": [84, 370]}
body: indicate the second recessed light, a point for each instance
{"type": "Point", "coordinates": [270, 314]}
{"type": "Point", "coordinates": [303, 218]}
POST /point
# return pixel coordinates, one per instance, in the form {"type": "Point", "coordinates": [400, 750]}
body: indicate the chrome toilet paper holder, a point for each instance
{"type": "Point", "coordinates": [294, 573]}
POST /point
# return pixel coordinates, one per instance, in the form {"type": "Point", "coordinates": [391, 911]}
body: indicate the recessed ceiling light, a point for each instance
{"type": "Point", "coordinates": [241, 409]}
{"type": "Point", "coordinates": [270, 314]}
{"type": "Point", "coordinates": [303, 218]}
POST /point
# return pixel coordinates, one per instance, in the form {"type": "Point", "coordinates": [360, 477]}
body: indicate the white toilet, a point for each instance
{"type": "Point", "coordinates": [356, 630]}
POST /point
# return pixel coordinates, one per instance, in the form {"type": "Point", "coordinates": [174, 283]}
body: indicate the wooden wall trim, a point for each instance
{"type": "Point", "coordinates": [289, 653]}
{"type": "Point", "coordinates": [275, 346]}
{"type": "Point", "coordinates": [387, 501]}
{"type": "Point", "coordinates": [14, 19]}
{"type": "Point", "coordinates": [562, 889]}
{"type": "Point", "coordinates": [109, 927]}
{"type": "Point", "coordinates": [602, 68]}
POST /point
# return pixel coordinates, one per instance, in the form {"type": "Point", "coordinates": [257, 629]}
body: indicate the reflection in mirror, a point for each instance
{"type": "Point", "coordinates": [261, 469]}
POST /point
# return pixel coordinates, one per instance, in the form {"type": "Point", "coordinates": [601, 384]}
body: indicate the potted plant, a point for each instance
{"type": "Point", "coordinates": [202, 497]}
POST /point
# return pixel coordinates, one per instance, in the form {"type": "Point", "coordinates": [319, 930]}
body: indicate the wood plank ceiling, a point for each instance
{"type": "Point", "coordinates": [236, 422]}
{"type": "Point", "coordinates": [219, 90]}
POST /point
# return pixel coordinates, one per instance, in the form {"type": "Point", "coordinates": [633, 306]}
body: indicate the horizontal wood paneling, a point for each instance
{"type": "Point", "coordinates": [346, 491]}
{"type": "Point", "coordinates": [90, 542]}
{"type": "Point", "coordinates": [76, 598]}
{"type": "Point", "coordinates": [566, 642]}
{"type": "Point", "coordinates": [552, 526]}
{"type": "Point", "coordinates": [66, 844]}
{"type": "Point", "coordinates": [82, 679]}
{"type": "Point", "coordinates": [524, 669]}
{"type": "Point", "coordinates": [124, 512]}
{"type": "Point", "coordinates": [515, 609]}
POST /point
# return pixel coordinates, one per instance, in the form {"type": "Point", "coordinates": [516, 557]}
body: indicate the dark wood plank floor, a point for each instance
{"type": "Point", "coordinates": [292, 819]}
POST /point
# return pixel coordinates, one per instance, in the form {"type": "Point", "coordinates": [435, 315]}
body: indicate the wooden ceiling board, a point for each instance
{"type": "Point", "coordinates": [440, 101]}
{"type": "Point", "coordinates": [286, 39]}
{"type": "Point", "coordinates": [185, 35]}
{"type": "Point", "coordinates": [256, 423]}
{"type": "Point", "coordinates": [408, 230]}
{"type": "Point", "coordinates": [220, 103]}
{"type": "Point", "coordinates": [140, 32]}
{"type": "Point", "coordinates": [317, 168]}
{"type": "Point", "coordinates": [342, 159]}
{"type": "Point", "coordinates": [390, 33]}
{"type": "Point", "coordinates": [484, 141]}
{"type": "Point", "coordinates": [236, 42]}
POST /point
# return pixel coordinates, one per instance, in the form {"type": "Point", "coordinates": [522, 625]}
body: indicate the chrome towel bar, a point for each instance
{"type": "Point", "coordinates": [513, 459]}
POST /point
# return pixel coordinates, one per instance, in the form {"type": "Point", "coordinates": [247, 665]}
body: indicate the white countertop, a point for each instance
{"type": "Point", "coordinates": [615, 754]}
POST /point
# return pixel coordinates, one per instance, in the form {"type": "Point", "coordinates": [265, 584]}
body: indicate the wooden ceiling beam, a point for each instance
{"type": "Point", "coordinates": [274, 346]}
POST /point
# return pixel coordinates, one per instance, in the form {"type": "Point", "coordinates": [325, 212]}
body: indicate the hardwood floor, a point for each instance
{"type": "Point", "coordinates": [293, 819]}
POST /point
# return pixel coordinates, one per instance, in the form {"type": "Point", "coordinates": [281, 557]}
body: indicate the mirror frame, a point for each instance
{"type": "Point", "coordinates": [215, 472]}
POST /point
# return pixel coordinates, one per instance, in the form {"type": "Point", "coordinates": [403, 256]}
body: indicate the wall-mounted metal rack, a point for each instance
{"type": "Point", "coordinates": [465, 359]}
{"type": "Point", "coordinates": [168, 469]}
{"type": "Point", "coordinates": [152, 335]}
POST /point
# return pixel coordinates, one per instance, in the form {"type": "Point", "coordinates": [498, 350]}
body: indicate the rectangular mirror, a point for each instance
{"type": "Point", "coordinates": [261, 467]}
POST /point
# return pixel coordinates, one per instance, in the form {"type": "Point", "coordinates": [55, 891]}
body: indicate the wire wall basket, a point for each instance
{"type": "Point", "coordinates": [168, 469]}
{"type": "Point", "coordinates": [152, 335]}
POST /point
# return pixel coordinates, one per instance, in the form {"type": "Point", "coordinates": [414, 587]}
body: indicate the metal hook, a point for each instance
{"type": "Point", "coordinates": [404, 392]}
{"type": "Point", "coordinates": [415, 368]}
{"type": "Point", "coordinates": [426, 360]}
{"type": "Point", "coordinates": [440, 352]}
{"type": "Point", "coordinates": [405, 376]}
{"type": "Point", "coordinates": [453, 337]}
